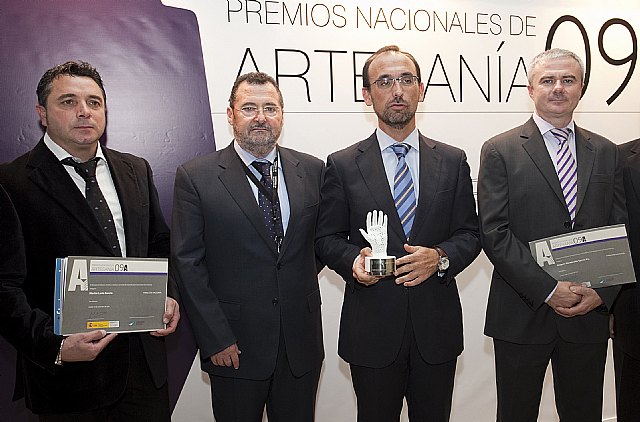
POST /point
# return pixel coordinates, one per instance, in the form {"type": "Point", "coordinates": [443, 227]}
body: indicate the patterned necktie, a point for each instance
{"type": "Point", "coordinates": [403, 192]}
{"type": "Point", "coordinates": [272, 217]}
{"type": "Point", "coordinates": [96, 199]}
{"type": "Point", "coordinates": [567, 171]}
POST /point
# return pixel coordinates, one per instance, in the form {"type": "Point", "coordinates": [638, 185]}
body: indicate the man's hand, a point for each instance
{"type": "Point", "coordinates": [563, 297]}
{"type": "Point", "coordinates": [589, 301]}
{"type": "Point", "coordinates": [85, 347]}
{"type": "Point", "coordinates": [228, 357]}
{"type": "Point", "coordinates": [358, 269]}
{"type": "Point", "coordinates": [171, 317]}
{"type": "Point", "coordinates": [419, 265]}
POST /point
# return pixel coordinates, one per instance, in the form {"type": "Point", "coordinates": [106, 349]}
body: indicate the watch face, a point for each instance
{"type": "Point", "coordinates": [443, 264]}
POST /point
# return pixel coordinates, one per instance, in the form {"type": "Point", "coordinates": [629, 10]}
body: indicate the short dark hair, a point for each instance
{"type": "Point", "coordinates": [254, 78]}
{"type": "Point", "coordinates": [365, 70]}
{"type": "Point", "coordinates": [70, 68]}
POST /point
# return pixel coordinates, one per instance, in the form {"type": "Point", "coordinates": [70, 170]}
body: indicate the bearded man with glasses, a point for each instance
{"type": "Point", "coordinates": [244, 223]}
{"type": "Point", "coordinates": [400, 334]}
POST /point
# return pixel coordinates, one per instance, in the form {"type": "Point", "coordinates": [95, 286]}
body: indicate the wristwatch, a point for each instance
{"type": "Point", "coordinates": [443, 261]}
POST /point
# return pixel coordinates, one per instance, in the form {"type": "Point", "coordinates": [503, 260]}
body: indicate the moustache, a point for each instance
{"type": "Point", "coordinates": [260, 126]}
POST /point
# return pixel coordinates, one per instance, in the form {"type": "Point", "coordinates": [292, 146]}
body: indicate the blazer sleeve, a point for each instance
{"type": "Point", "coordinates": [512, 259]}
{"type": "Point", "coordinates": [188, 252]}
{"type": "Point", "coordinates": [332, 234]}
{"type": "Point", "coordinates": [463, 245]}
{"type": "Point", "coordinates": [29, 330]}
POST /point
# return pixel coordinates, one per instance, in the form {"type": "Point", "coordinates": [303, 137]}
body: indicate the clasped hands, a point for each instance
{"type": "Point", "coordinates": [572, 299]}
{"type": "Point", "coordinates": [411, 270]}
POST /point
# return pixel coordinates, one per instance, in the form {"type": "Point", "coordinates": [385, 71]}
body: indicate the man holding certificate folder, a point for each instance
{"type": "Point", "coordinates": [76, 197]}
{"type": "Point", "coordinates": [545, 178]}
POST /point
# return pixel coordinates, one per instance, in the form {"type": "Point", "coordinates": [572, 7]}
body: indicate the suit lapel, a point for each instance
{"type": "Point", "coordinates": [585, 158]}
{"type": "Point", "coordinates": [54, 181]}
{"type": "Point", "coordinates": [294, 174]}
{"type": "Point", "coordinates": [370, 164]}
{"type": "Point", "coordinates": [235, 181]}
{"type": "Point", "coordinates": [126, 184]}
{"type": "Point", "coordinates": [633, 162]}
{"type": "Point", "coordinates": [430, 163]}
{"type": "Point", "coordinates": [534, 146]}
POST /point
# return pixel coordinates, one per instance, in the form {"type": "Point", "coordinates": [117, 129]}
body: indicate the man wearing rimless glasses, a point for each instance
{"type": "Point", "coordinates": [400, 334]}
{"type": "Point", "coordinates": [244, 223]}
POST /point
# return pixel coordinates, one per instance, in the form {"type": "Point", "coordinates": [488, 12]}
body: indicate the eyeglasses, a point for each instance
{"type": "Point", "coordinates": [252, 111]}
{"type": "Point", "coordinates": [386, 83]}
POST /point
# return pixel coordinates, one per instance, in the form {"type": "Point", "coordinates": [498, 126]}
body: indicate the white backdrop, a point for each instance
{"type": "Point", "coordinates": [473, 56]}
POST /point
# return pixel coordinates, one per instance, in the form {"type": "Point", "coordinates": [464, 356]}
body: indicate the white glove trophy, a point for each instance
{"type": "Point", "coordinates": [379, 263]}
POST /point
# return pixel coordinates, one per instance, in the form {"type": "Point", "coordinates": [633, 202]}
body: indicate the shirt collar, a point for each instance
{"type": "Point", "coordinates": [545, 126]}
{"type": "Point", "coordinates": [385, 141]}
{"type": "Point", "coordinates": [61, 153]}
{"type": "Point", "coordinates": [248, 158]}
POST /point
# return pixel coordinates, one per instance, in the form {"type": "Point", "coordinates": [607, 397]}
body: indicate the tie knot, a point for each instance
{"type": "Point", "coordinates": [86, 169]}
{"type": "Point", "coordinates": [263, 167]}
{"type": "Point", "coordinates": [400, 149]}
{"type": "Point", "coordinates": [561, 134]}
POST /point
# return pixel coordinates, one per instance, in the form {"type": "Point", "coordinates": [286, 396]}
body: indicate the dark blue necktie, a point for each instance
{"type": "Point", "coordinates": [270, 212]}
{"type": "Point", "coordinates": [96, 200]}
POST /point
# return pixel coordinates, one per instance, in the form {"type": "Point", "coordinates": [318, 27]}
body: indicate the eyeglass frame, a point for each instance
{"type": "Point", "coordinates": [255, 112]}
{"type": "Point", "coordinates": [414, 79]}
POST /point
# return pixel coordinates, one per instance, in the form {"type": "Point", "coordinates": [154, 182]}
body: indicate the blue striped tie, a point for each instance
{"type": "Point", "coordinates": [403, 192]}
{"type": "Point", "coordinates": [567, 171]}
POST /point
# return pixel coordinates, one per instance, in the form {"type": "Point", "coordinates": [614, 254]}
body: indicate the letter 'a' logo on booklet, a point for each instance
{"type": "Point", "coordinates": [79, 276]}
{"type": "Point", "coordinates": [543, 254]}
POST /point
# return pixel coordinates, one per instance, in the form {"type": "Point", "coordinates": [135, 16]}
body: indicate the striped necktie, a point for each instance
{"type": "Point", "coordinates": [567, 170]}
{"type": "Point", "coordinates": [403, 192]}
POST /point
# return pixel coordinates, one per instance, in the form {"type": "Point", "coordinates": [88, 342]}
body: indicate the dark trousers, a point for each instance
{"type": "Point", "coordinates": [578, 376]}
{"type": "Point", "coordinates": [287, 397]}
{"type": "Point", "coordinates": [427, 388]}
{"type": "Point", "coordinates": [627, 370]}
{"type": "Point", "coordinates": [140, 402]}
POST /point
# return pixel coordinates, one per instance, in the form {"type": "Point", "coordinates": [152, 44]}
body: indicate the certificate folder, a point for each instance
{"type": "Point", "coordinates": [597, 257]}
{"type": "Point", "coordinates": [109, 293]}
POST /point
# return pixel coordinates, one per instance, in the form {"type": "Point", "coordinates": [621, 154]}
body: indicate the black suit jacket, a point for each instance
{"type": "Point", "coordinates": [626, 309]}
{"type": "Point", "coordinates": [235, 286]}
{"type": "Point", "coordinates": [520, 200]}
{"type": "Point", "coordinates": [57, 222]}
{"type": "Point", "coordinates": [373, 318]}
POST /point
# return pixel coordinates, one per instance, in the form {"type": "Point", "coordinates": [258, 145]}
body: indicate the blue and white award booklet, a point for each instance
{"type": "Point", "coordinates": [109, 293]}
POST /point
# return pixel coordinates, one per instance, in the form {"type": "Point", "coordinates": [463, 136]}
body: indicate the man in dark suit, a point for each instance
{"type": "Point", "coordinates": [244, 222]}
{"type": "Point", "coordinates": [87, 376]}
{"type": "Point", "coordinates": [626, 309]}
{"type": "Point", "coordinates": [532, 317]}
{"type": "Point", "coordinates": [401, 334]}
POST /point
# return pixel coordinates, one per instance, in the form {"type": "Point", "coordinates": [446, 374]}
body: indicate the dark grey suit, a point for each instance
{"type": "Point", "coordinates": [626, 309]}
{"type": "Point", "coordinates": [57, 222]}
{"type": "Point", "coordinates": [519, 200]}
{"type": "Point", "coordinates": [374, 318]}
{"type": "Point", "coordinates": [235, 286]}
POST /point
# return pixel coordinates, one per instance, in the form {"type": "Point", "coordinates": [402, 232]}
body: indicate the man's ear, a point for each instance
{"type": "Point", "coordinates": [367, 96]}
{"type": "Point", "coordinates": [42, 113]}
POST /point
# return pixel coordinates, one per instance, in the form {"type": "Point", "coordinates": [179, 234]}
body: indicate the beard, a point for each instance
{"type": "Point", "coordinates": [259, 144]}
{"type": "Point", "coordinates": [396, 119]}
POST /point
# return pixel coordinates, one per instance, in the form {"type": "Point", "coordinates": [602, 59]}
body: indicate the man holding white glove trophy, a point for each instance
{"type": "Point", "coordinates": [400, 329]}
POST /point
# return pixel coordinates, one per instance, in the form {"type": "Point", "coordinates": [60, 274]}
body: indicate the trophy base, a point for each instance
{"type": "Point", "coordinates": [380, 266]}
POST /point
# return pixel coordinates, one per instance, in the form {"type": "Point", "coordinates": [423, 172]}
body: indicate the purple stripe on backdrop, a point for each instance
{"type": "Point", "coordinates": [137, 46]}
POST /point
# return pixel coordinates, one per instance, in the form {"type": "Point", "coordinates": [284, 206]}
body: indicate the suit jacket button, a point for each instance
{"type": "Point", "coordinates": [274, 301]}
